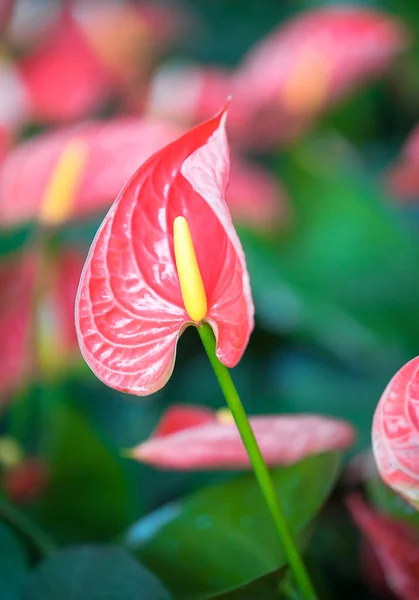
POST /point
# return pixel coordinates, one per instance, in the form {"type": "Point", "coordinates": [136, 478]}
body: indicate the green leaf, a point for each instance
{"type": "Point", "coordinates": [13, 564]}
{"type": "Point", "coordinates": [390, 503]}
{"type": "Point", "coordinates": [223, 536]}
{"type": "Point", "coordinates": [344, 273]}
{"type": "Point", "coordinates": [93, 573]}
{"type": "Point", "coordinates": [89, 495]}
{"type": "Point", "coordinates": [265, 588]}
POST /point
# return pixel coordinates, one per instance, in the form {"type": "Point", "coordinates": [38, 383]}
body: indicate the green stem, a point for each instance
{"type": "Point", "coordinates": [259, 466]}
{"type": "Point", "coordinates": [40, 540]}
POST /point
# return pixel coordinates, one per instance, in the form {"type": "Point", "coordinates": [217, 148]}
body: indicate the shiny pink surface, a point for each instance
{"type": "Point", "coordinates": [395, 433]}
{"type": "Point", "coordinates": [395, 546]}
{"type": "Point", "coordinates": [283, 439]}
{"type": "Point", "coordinates": [129, 311]}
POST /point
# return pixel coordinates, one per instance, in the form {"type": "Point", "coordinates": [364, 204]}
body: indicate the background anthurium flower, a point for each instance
{"type": "Point", "coordinates": [130, 310]}
{"type": "Point", "coordinates": [403, 177]}
{"type": "Point", "coordinates": [17, 278]}
{"type": "Point", "coordinates": [63, 78]}
{"type": "Point", "coordinates": [311, 61]}
{"type": "Point", "coordinates": [114, 150]}
{"type": "Point", "coordinates": [395, 433]}
{"type": "Point", "coordinates": [190, 437]}
{"type": "Point", "coordinates": [56, 335]}
{"type": "Point", "coordinates": [395, 545]}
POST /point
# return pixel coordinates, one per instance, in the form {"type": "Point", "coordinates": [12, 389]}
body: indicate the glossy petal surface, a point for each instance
{"type": "Point", "coordinates": [282, 439]}
{"type": "Point", "coordinates": [130, 311]}
{"type": "Point", "coordinates": [395, 546]}
{"type": "Point", "coordinates": [395, 432]}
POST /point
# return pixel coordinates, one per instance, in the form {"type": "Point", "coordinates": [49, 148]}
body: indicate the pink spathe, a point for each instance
{"type": "Point", "coordinates": [130, 312]}
{"type": "Point", "coordinates": [395, 433]}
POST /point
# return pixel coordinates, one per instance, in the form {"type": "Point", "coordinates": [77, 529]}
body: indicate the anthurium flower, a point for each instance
{"type": "Point", "coordinates": [111, 152]}
{"type": "Point", "coordinates": [395, 433]}
{"type": "Point", "coordinates": [63, 78]}
{"type": "Point", "coordinates": [17, 278]}
{"type": "Point", "coordinates": [403, 177]}
{"type": "Point", "coordinates": [165, 257]}
{"type": "Point", "coordinates": [310, 62]}
{"type": "Point", "coordinates": [14, 104]}
{"type": "Point", "coordinates": [395, 545]}
{"type": "Point", "coordinates": [194, 438]}
{"type": "Point", "coordinates": [56, 336]}
{"type": "Point", "coordinates": [126, 37]}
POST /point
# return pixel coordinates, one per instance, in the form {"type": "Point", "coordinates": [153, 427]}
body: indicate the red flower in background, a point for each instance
{"type": "Point", "coordinates": [63, 78]}
{"type": "Point", "coordinates": [395, 433]}
{"type": "Point", "coordinates": [288, 78]}
{"type": "Point", "coordinates": [130, 309]}
{"type": "Point", "coordinates": [311, 61]}
{"type": "Point", "coordinates": [54, 322]}
{"type": "Point", "coordinates": [396, 546]}
{"type": "Point", "coordinates": [113, 150]}
{"type": "Point", "coordinates": [17, 278]}
{"type": "Point", "coordinates": [190, 437]}
{"type": "Point", "coordinates": [403, 177]}
{"type": "Point", "coordinates": [83, 54]}
{"type": "Point", "coordinates": [25, 482]}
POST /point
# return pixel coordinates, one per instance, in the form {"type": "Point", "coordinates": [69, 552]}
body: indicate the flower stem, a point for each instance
{"type": "Point", "coordinates": [259, 466]}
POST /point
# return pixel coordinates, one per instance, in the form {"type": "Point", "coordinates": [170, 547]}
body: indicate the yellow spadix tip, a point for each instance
{"type": "Point", "coordinates": [224, 416]}
{"type": "Point", "coordinates": [190, 279]}
{"type": "Point", "coordinates": [62, 186]}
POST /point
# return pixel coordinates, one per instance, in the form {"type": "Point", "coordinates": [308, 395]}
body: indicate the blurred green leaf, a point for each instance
{"type": "Point", "coordinates": [265, 588]}
{"type": "Point", "coordinates": [223, 536]}
{"type": "Point", "coordinates": [93, 573]}
{"type": "Point", "coordinates": [344, 273]}
{"type": "Point", "coordinates": [89, 495]}
{"type": "Point", "coordinates": [390, 503]}
{"type": "Point", "coordinates": [13, 564]}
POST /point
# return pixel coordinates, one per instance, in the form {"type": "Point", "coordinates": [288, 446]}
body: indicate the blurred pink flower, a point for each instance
{"type": "Point", "coordinates": [63, 78]}
{"type": "Point", "coordinates": [311, 61]}
{"type": "Point", "coordinates": [114, 151]}
{"type": "Point", "coordinates": [17, 278]}
{"type": "Point", "coordinates": [395, 433]}
{"type": "Point", "coordinates": [89, 54]}
{"type": "Point", "coordinates": [403, 177]}
{"type": "Point", "coordinates": [395, 545]}
{"type": "Point", "coordinates": [53, 322]}
{"type": "Point", "coordinates": [190, 437]}
{"type": "Point", "coordinates": [288, 78]}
